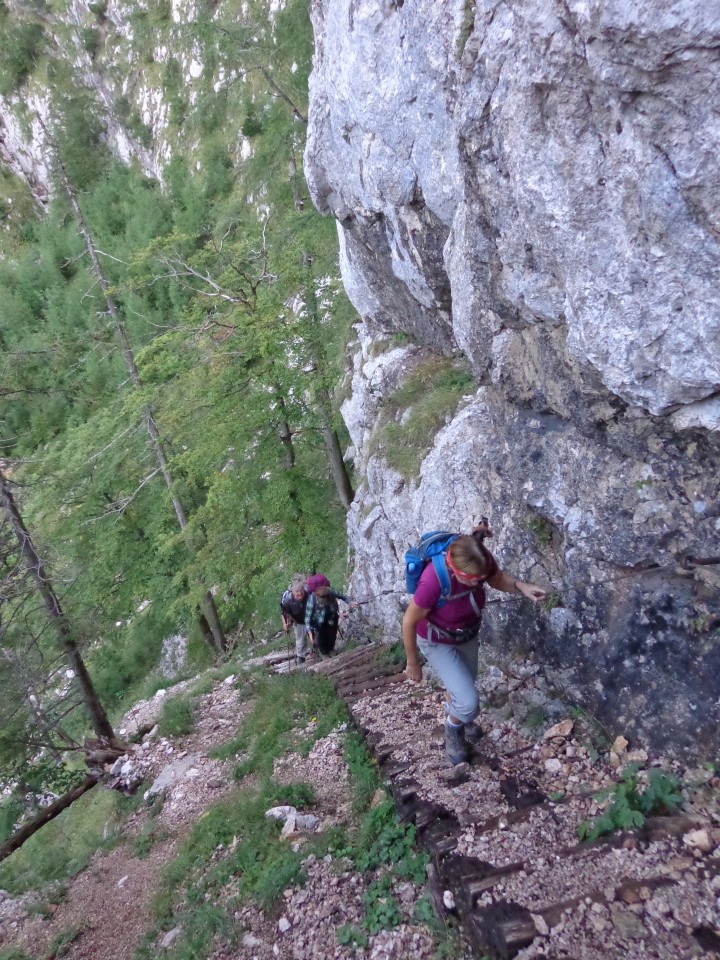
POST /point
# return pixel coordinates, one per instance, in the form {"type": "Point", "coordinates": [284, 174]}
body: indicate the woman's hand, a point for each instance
{"type": "Point", "coordinates": [530, 590]}
{"type": "Point", "coordinates": [413, 671]}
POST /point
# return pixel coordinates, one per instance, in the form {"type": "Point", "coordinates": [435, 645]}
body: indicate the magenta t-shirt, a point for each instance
{"type": "Point", "coordinates": [455, 614]}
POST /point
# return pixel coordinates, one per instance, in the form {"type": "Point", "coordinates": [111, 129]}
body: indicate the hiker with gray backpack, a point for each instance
{"type": "Point", "coordinates": [447, 573]}
{"type": "Point", "coordinates": [292, 611]}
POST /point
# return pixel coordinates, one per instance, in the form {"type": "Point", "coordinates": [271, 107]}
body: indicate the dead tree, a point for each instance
{"type": "Point", "coordinates": [53, 608]}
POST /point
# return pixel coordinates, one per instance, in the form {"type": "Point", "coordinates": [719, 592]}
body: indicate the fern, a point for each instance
{"type": "Point", "coordinates": [630, 807]}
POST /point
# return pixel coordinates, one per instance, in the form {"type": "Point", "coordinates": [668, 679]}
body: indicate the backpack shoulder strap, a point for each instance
{"type": "Point", "coordinates": [441, 570]}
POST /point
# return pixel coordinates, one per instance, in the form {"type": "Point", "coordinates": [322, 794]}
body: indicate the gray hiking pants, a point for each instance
{"type": "Point", "coordinates": [457, 668]}
{"type": "Point", "coordinates": [299, 632]}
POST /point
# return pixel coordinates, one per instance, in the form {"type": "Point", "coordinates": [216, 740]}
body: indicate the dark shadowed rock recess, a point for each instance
{"type": "Point", "coordinates": [534, 186]}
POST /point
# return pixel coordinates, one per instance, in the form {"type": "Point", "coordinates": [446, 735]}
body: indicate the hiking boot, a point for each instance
{"type": "Point", "coordinates": [474, 732]}
{"type": "Point", "coordinates": [456, 747]}
{"type": "Point", "coordinates": [300, 659]}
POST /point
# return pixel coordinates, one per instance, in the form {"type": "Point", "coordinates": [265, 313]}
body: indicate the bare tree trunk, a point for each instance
{"type": "Point", "coordinates": [48, 814]}
{"type": "Point", "coordinates": [334, 453]}
{"type": "Point", "coordinates": [343, 486]}
{"type": "Point", "coordinates": [286, 436]}
{"type": "Point", "coordinates": [281, 93]}
{"type": "Point", "coordinates": [219, 644]}
{"type": "Point", "coordinates": [100, 722]}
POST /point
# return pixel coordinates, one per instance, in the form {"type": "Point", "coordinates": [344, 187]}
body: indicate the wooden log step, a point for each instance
{"type": "Point", "coordinates": [371, 683]}
{"type": "Point", "coordinates": [366, 668]}
{"type": "Point", "coordinates": [503, 929]}
{"type": "Point", "coordinates": [353, 698]}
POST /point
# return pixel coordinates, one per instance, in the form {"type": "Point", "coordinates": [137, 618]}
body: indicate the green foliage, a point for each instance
{"type": "Point", "coordinates": [22, 39]}
{"type": "Point", "coordinates": [252, 124]}
{"type": "Point", "coordinates": [364, 778]}
{"type": "Point", "coordinates": [282, 704]}
{"type": "Point", "coordinates": [350, 935]}
{"type": "Point", "coordinates": [382, 911]}
{"type": "Point", "coordinates": [59, 944]}
{"type": "Point", "coordinates": [542, 528]}
{"type": "Point", "coordinates": [631, 804]}
{"type": "Point", "coordinates": [259, 864]}
{"type": "Point", "coordinates": [384, 840]}
{"type": "Point", "coordinates": [414, 413]}
{"type": "Point", "coordinates": [536, 718]}
{"type": "Point", "coordinates": [552, 601]}
{"type": "Point", "coordinates": [177, 718]}
{"type": "Point", "coordinates": [150, 834]}
{"type": "Point", "coordinates": [466, 27]}
{"type": "Point", "coordinates": [91, 40]}
{"type": "Point", "coordinates": [215, 371]}
{"type": "Point", "coordinates": [14, 953]}
{"type": "Point", "coordinates": [424, 911]}
{"type": "Point", "coordinates": [10, 812]}
{"type": "Point", "coordinates": [65, 845]}
{"type": "Point", "coordinates": [45, 773]}
{"type": "Point", "coordinates": [392, 654]}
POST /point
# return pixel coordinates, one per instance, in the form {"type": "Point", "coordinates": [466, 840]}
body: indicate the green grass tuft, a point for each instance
{"type": "Point", "coordinates": [178, 717]}
{"type": "Point", "coordinates": [413, 414]}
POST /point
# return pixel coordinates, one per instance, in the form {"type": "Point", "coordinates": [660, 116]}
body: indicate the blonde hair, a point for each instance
{"type": "Point", "coordinates": [469, 556]}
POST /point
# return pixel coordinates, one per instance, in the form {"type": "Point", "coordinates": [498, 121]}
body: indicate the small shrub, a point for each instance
{"type": "Point", "coordinates": [542, 528]}
{"type": "Point", "coordinates": [252, 124]}
{"type": "Point", "coordinates": [552, 601]}
{"type": "Point", "coordinates": [150, 834]}
{"type": "Point", "coordinates": [14, 953]}
{"type": "Point", "coordinates": [91, 41]}
{"type": "Point", "coordinates": [466, 27]}
{"type": "Point", "coordinates": [61, 943]}
{"type": "Point", "coordinates": [631, 806]}
{"type": "Point", "coordinates": [537, 717]}
{"type": "Point", "coordinates": [178, 718]}
{"type": "Point", "coordinates": [281, 705]}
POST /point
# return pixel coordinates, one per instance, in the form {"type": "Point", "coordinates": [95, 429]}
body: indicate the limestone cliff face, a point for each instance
{"type": "Point", "coordinates": [534, 185]}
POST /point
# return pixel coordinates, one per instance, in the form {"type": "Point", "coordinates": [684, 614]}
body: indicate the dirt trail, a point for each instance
{"type": "Point", "coordinates": [108, 904]}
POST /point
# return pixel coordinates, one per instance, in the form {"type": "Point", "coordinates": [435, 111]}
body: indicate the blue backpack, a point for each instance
{"type": "Point", "coordinates": [429, 549]}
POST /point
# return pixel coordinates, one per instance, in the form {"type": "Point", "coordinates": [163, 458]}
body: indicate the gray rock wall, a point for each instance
{"type": "Point", "coordinates": [533, 184]}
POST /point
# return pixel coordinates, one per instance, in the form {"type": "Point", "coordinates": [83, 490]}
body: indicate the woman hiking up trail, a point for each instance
{"type": "Point", "coordinates": [447, 633]}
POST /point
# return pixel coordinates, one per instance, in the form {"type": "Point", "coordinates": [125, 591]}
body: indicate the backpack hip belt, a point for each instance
{"type": "Point", "coordinates": [437, 634]}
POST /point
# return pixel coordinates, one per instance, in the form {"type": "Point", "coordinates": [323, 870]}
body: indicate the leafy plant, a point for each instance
{"type": "Point", "coordinates": [350, 935]}
{"type": "Point", "coordinates": [631, 804]}
{"type": "Point", "coordinates": [281, 704]}
{"type": "Point", "coordinates": [14, 953]}
{"type": "Point", "coordinates": [552, 601]}
{"type": "Point", "coordinates": [383, 839]}
{"type": "Point", "coordinates": [542, 528]}
{"type": "Point", "coordinates": [364, 779]}
{"type": "Point", "coordinates": [382, 910]}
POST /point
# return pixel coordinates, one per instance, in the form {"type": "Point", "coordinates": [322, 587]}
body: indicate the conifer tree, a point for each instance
{"type": "Point", "coordinates": [210, 624]}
